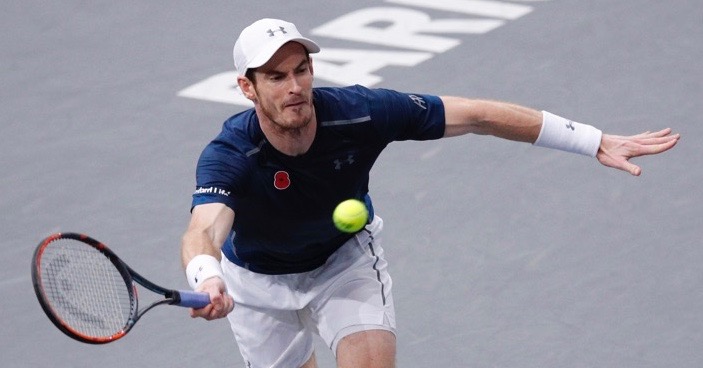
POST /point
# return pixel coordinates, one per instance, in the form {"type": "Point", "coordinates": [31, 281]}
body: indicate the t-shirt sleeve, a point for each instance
{"type": "Point", "coordinates": [402, 116]}
{"type": "Point", "coordinates": [220, 175]}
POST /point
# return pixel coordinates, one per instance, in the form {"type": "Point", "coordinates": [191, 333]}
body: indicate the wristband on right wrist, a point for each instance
{"type": "Point", "coordinates": [201, 268]}
{"type": "Point", "coordinates": [566, 135]}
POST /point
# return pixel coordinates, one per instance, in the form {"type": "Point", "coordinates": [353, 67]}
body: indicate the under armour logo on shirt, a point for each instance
{"type": "Point", "coordinates": [338, 163]}
{"type": "Point", "coordinates": [272, 32]}
{"type": "Point", "coordinates": [570, 125]}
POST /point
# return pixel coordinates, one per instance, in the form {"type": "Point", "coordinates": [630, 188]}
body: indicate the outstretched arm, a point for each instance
{"type": "Point", "coordinates": [519, 123]}
{"type": "Point", "coordinates": [209, 226]}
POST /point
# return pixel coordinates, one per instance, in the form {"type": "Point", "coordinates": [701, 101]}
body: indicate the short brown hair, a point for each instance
{"type": "Point", "coordinates": [252, 77]}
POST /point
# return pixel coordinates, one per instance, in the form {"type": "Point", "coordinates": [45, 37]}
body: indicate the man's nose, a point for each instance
{"type": "Point", "coordinates": [295, 85]}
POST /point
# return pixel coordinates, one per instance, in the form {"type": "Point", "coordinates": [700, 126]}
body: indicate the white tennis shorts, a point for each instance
{"type": "Point", "coordinates": [276, 316]}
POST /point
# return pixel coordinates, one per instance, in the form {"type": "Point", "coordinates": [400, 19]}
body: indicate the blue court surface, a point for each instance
{"type": "Point", "coordinates": [502, 254]}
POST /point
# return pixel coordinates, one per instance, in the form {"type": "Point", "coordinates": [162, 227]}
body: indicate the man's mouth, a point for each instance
{"type": "Point", "coordinates": [295, 104]}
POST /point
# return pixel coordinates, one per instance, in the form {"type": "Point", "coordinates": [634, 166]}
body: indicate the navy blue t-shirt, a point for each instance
{"type": "Point", "coordinates": [283, 204]}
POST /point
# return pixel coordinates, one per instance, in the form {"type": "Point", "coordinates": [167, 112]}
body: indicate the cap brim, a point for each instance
{"type": "Point", "coordinates": [266, 54]}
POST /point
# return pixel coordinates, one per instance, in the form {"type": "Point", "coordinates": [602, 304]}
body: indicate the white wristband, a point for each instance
{"type": "Point", "coordinates": [201, 268]}
{"type": "Point", "coordinates": [566, 135]}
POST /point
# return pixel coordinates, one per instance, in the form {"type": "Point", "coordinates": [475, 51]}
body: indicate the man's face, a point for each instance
{"type": "Point", "coordinates": [283, 89]}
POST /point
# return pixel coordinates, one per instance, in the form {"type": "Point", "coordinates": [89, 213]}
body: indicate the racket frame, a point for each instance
{"type": "Point", "coordinates": [129, 277]}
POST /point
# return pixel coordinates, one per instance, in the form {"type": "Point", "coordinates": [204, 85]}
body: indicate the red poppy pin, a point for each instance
{"type": "Point", "coordinates": [281, 180]}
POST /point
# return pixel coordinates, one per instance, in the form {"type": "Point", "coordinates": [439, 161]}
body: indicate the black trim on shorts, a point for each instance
{"type": "Point", "coordinates": [378, 272]}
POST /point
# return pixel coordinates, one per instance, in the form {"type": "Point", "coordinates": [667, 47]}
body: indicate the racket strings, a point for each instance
{"type": "Point", "coordinates": [85, 289]}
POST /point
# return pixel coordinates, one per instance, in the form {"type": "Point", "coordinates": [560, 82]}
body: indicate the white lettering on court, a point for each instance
{"type": "Point", "coordinates": [406, 28]}
{"type": "Point", "coordinates": [415, 33]}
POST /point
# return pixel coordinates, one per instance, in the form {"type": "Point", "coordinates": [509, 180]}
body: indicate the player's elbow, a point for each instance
{"type": "Point", "coordinates": [463, 116]}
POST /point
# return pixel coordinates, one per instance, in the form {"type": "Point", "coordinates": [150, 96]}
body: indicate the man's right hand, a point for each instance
{"type": "Point", "coordinates": [221, 303]}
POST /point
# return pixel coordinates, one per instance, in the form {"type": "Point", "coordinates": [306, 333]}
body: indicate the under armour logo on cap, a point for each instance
{"type": "Point", "coordinates": [258, 42]}
{"type": "Point", "coordinates": [272, 32]}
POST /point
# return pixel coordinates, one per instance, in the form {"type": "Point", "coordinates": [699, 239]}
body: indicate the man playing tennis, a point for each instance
{"type": "Point", "coordinates": [261, 240]}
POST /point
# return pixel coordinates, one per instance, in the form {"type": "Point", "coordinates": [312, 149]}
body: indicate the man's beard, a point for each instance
{"type": "Point", "coordinates": [284, 127]}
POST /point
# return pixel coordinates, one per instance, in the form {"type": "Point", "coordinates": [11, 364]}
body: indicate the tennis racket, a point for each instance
{"type": "Point", "coordinates": [89, 293]}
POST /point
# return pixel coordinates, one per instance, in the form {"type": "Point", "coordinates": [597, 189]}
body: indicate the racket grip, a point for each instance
{"type": "Point", "coordinates": [193, 299]}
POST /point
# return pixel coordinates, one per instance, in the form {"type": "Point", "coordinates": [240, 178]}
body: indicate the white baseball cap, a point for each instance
{"type": "Point", "coordinates": [258, 42]}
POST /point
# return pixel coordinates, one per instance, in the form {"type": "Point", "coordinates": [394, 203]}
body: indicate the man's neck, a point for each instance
{"type": "Point", "coordinates": [292, 142]}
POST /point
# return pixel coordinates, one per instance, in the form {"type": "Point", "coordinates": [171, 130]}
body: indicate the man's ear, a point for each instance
{"type": "Point", "coordinates": [247, 87]}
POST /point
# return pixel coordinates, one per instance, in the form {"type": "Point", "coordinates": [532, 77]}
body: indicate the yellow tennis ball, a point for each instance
{"type": "Point", "coordinates": [350, 216]}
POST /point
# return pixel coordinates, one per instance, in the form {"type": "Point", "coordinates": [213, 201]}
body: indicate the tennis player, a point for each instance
{"type": "Point", "coordinates": [261, 240]}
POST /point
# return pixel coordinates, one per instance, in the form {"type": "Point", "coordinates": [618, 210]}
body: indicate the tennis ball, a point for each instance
{"type": "Point", "coordinates": [350, 216]}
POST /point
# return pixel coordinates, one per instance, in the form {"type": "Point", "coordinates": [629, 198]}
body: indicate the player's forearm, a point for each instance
{"type": "Point", "coordinates": [195, 242]}
{"type": "Point", "coordinates": [201, 260]}
{"type": "Point", "coordinates": [209, 226]}
{"type": "Point", "coordinates": [500, 119]}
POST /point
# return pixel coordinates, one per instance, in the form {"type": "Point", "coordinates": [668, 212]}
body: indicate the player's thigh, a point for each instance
{"type": "Point", "coordinates": [367, 349]}
{"type": "Point", "coordinates": [311, 363]}
{"type": "Point", "coordinates": [271, 338]}
{"type": "Point", "coordinates": [360, 298]}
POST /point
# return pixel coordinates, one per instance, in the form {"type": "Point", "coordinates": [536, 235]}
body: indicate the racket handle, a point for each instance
{"type": "Point", "coordinates": [193, 299]}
